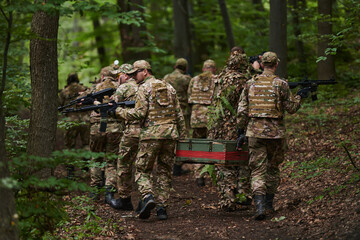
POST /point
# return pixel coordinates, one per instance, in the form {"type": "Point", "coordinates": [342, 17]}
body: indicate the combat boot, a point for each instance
{"type": "Point", "coordinates": [122, 204]}
{"type": "Point", "coordinates": [161, 213]}
{"type": "Point", "coordinates": [147, 205]}
{"type": "Point", "coordinates": [200, 181]}
{"type": "Point", "coordinates": [259, 201]}
{"type": "Point", "coordinates": [269, 202]}
{"type": "Point", "coordinates": [109, 194]}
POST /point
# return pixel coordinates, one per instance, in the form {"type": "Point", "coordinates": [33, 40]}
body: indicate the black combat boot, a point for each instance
{"type": "Point", "coordinates": [200, 181]}
{"type": "Point", "coordinates": [259, 201]}
{"type": "Point", "coordinates": [161, 213]}
{"type": "Point", "coordinates": [269, 202]}
{"type": "Point", "coordinates": [122, 204]}
{"type": "Point", "coordinates": [177, 170]}
{"type": "Point", "coordinates": [109, 194]}
{"type": "Point", "coordinates": [147, 205]}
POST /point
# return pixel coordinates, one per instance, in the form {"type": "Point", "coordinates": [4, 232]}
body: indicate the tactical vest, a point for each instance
{"type": "Point", "coordinates": [202, 89]}
{"type": "Point", "coordinates": [162, 106]}
{"type": "Point", "coordinates": [263, 99]}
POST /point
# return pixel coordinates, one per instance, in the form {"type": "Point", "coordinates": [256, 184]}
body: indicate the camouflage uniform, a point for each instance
{"type": "Point", "coordinates": [262, 107]}
{"type": "Point", "coordinates": [129, 141]}
{"type": "Point", "coordinates": [81, 127]}
{"type": "Point", "coordinates": [162, 123]}
{"type": "Point", "coordinates": [200, 92]}
{"type": "Point", "coordinates": [105, 141]}
{"type": "Point", "coordinates": [233, 182]}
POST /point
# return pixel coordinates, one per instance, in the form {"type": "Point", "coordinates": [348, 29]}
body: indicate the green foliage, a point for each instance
{"type": "Point", "coordinates": [211, 170]}
{"type": "Point", "coordinates": [16, 135]}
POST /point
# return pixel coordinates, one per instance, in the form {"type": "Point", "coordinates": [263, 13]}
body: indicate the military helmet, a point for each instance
{"type": "Point", "coordinates": [125, 68]}
{"type": "Point", "coordinates": [209, 64]}
{"type": "Point", "coordinates": [105, 71]}
{"type": "Point", "coordinates": [270, 57]}
{"type": "Point", "coordinates": [140, 64]}
{"type": "Point", "coordinates": [181, 62]}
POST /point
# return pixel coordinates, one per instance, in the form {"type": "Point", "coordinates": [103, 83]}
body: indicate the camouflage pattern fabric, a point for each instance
{"type": "Point", "coordinates": [149, 151]}
{"type": "Point", "coordinates": [266, 135]}
{"type": "Point", "coordinates": [265, 157]}
{"type": "Point", "coordinates": [232, 185]}
{"type": "Point", "coordinates": [231, 180]}
{"type": "Point", "coordinates": [180, 81]}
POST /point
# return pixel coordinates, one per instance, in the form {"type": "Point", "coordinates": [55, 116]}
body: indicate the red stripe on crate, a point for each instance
{"type": "Point", "coordinates": [232, 156]}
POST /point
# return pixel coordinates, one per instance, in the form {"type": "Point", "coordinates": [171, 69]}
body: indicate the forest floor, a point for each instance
{"type": "Point", "coordinates": [319, 195]}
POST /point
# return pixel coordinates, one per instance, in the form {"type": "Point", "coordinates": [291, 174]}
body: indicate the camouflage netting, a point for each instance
{"type": "Point", "coordinates": [223, 109]}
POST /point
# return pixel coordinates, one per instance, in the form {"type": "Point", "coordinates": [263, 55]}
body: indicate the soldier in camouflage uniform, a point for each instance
{"type": "Point", "coordinates": [262, 107]}
{"type": "Point", "coordinates": [180, 81]}
{"type": "Point", "coordinates": [105, 141]}
{"type": "Point", "coordinates": [233, 182]}
{"type": "Point", "coordinates": [72, 90]}
{"type": "Point", "coordinates": [162, 123]}
{"type": "Point", "coordinates": [200, 92]}
{"type": "Point", "coordinates": [129, 142]}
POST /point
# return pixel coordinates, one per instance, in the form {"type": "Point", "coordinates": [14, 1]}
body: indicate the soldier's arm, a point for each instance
{"type": "Point", "coordinates": [243, 109]}
{"type": "Point", "coordinates": [290, 103]}
{"type": "Point", "coordinates": [190, 88]}
{"type": "Point", "coordinates": [180, 120]}
{"type": "Point", "coordinates": [140, 110]}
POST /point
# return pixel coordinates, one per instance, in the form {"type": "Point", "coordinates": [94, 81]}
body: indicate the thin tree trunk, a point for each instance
{"type": "Point", "coordinates": [44, 84]}
{"type": "Point", "coordinates": [325, 69]}
{"type": "Point", "coordinates": [99, 42]}
{"type": "Point", "coordinates": [227, 24]}
{"type": "Point", "coordinates": [131, 35]}
{"type": "Point", "coordinates": [182, 38]}
{"type": "Point", "coordinates": [278, 41]}
{"type": "Point", "coordinates": [8, 223]}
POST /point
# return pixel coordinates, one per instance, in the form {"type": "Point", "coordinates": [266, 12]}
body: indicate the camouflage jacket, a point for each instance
{"type": "Point", "coordinates": [158, 109]}
{"type": "Point", "coordinates": [127, 92]}
{"type": "Point", "coordinates": [70, 93]}
{"type": "Point", "coordinates": [201, 91]}
{"type": "Point", "coordinates": [267, 127]}
{"type": "Point", "coordinates": [180, 81]}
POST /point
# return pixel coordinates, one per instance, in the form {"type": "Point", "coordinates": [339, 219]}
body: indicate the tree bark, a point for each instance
{"type": "Point", "coordinates": [44, 84]}
{"type": "Point", "coordinates": [99, 42]}
{"type": "Point", "coordinates": [298, 6]}
{"type": "Point", "coordinates": [227, 24]}
{"type": "Point", "coordinates": [325, 69]}
{"type": "Point", "coordinates": [278, 41]}
{"type": "Point", "coordinates": [182, 38]}
{"type": "Point", "coordinates": [131, 35]}
{"type": "Point", "coordinates": [8, 220]}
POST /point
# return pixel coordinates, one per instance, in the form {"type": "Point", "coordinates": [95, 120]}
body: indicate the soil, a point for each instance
{"type": "Point", "coordinates": [316, 199]}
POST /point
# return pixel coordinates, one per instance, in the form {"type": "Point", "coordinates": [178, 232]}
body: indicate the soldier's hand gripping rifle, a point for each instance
{"type": "Point", "coordinates": [310, 86]}
{"type": "Point", "coordinates": [90, 98]}
{"type": "Point", "coordinates": [104, 109]}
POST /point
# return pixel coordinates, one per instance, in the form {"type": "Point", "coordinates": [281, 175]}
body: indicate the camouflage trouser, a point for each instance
{"type": "Point", "coordinates": [199, 133]}
{"type": "Point", "coordinates": [149, 150]}
{"type": "Point", "coordinates": [104, 142]}
{"type": "Point", "coordinates": [265, 158]}
{"type": "Point", "coordinates": [233, 184]}
{"type": "Point", "coordinates": [71, 135]}
{"type": "Point", "coordinates": [127, 155]}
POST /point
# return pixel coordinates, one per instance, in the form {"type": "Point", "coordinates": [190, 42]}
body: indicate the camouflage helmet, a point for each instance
{"type": "Point", "coordinates": [140, 64]}
{"type": "Point", "coordinates": [270, 57]}
{"type": "Point", "coordinates": [125, 68]}
{"type": "Point", "coordinates": [209, 64]}
{"type": "Point", "coordinates": [181, 62]}
{"type": "Point", "coordinates": [106, 71]}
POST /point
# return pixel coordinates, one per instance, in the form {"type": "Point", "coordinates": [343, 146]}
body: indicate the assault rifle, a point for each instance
{"type": "Point", "coordinates": [311, 85]}
{"type": "Point", "coordinates": [90, 98]}
{"type": "Point", "coordinates": [104, 108]}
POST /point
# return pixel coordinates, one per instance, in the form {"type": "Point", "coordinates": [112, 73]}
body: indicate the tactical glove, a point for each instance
{"type": "Point", "coordinates": [241, 138]}
{"type": "Point", "coordinates": [303, 93]}
{"type": "Point", "coordinates": [112, 111]}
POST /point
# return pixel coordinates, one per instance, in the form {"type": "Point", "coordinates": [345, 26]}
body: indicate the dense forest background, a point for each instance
{"type": "Point", "coordinates": [42, 41]}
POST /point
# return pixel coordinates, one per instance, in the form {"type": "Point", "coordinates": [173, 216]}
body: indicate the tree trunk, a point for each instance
{"type": "Point", "coordinates": [8, 221]}
{"type": "Point", "coordinates": [278, 41]}
{"type": "Point", "coordinates": [44, 84]}
{"type": "Point", "coordinates": [99, 42]}
{"type": "Point", "coordinates": [182, 39]}
{"type": "Point", "coordinates": [325, 69]}
{"type": "Point", "coordinates": [227, 24]}
{"type": "Point", "coordinates": [131, 35]}
{"type": "Point", "coordinates": [298, 6]}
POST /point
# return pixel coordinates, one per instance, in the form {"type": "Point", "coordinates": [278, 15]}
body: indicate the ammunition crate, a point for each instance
{"type": "Point", "coordinates": [207, 151]}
